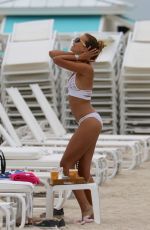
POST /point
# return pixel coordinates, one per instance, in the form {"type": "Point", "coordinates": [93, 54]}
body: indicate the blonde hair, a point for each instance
{"type": "Point", "coordinates": [102, 45]}
{"type": "Point", "coordinates": [93, 43]}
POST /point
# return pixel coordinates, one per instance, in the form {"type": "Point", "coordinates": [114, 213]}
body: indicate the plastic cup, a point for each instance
{"type": "Point", "coordinates": [54, 174]}
{"type": "Point", "coordinates": [73, 173]}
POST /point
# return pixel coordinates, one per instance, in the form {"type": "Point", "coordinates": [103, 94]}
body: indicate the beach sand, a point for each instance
{"type": "Point", "coordinates": [125, 203]}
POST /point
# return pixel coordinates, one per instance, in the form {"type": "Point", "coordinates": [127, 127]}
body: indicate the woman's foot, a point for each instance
{"type": "Point", "coordinates": [86, 219]}
{"type": "Point", "coordinates": [88, 212]}
{"type": "Point", "coordinates": [87, 216]}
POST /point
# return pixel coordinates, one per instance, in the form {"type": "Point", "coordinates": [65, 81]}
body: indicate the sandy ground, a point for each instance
{"type": "Point", "coordinates": [125, 203]}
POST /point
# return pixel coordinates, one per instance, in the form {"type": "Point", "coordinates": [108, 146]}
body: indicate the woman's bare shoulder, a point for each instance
{"type": "Point", "coordinates": [88, 70]}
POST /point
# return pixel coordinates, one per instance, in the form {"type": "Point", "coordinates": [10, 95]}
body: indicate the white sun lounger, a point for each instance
{"type": "Point", "coordinates": [23, 191]}
{"type": "Point", "coordinates": [8, 211]}
{"type": "Point", "coordinates": [25, 152]}
{"type": "Point", "coordinates": [49, 113]}
{"type": "Point", "coordinates": [33, 153]}
{"type": "Point", "coordinates": [139, 62]}
{"type": "Point", "coordinates": [43, 158]}
{"type": "Point", "coordinates": [134, 148]}
{"type": "Point", "coordinates": [141, 32]}
{"type": "Point", "coordinates": [12, 135]}
{"type": "Point", "coordinates": [34, 39]}
{"type": "Point", "coordinates": [17, 158]}
{"type": "Point", "coordinates": [21, 201]}
{"type": "Point", "coordinates": [32, 31]}
{"type": "Point", "coordinates": [8, 138]}
{"type": "Point", "coordinates": [143, 139]}
{"type": "Point", "coordinates": [30, 119]}
{"type": "Point", "coordinates": [45, 162]}
{"type": "Point", "coordinates": [10, 129]}
{"type": "Point", "coordinates": [24, 58]}
{"type": "Point", "coordinates": [26, 114]}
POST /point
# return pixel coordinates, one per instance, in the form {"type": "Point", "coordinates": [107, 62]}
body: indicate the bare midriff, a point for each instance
{"type": "Point", "coordinates": [80, 107]}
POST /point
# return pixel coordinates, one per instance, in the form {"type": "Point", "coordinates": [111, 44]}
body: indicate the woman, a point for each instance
{"type": "Point", "coordinates": [80, 149]}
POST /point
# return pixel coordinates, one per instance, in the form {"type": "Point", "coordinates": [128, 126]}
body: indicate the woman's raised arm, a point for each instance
{"type": "Point", "coordinates": [54, 53]}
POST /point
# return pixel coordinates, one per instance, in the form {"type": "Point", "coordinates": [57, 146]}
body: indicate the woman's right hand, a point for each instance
{"type": "Point", "coordinates": [88, 55]}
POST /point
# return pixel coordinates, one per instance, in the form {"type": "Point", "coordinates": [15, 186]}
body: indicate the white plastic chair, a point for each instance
{"type": "Point", "coordinates": [93, 187]}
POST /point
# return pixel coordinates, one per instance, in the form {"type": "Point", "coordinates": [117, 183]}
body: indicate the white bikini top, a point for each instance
{"type": "Point", "coordinates": [74, 91]}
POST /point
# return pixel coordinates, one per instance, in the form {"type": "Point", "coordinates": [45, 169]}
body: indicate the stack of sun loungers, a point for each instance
{"type": "Point", "coordinates": [104, 98]}
{"type": "Point", "coordinates": [135, 148]}
{"type": "Point", "coordinates": [134, 82]}
{"type": "Point", "coordinates": [26, 61]}
{"type": "Point", "coordinates": [112, 153]}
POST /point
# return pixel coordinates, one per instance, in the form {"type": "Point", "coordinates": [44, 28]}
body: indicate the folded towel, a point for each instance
{"type": "Point", "coordinates": [25, 176]}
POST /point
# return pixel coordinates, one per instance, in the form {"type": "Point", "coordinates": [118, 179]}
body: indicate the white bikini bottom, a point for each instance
{"type": "Point", "coordinates": [94, 114]}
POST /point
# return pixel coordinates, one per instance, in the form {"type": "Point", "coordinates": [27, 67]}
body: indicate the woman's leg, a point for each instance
{"type": "Point", "coordinates": [84, 171]}
{"type": "Point", "coordinates": [81, 148]}
{"type": "Point", "coordinates": [83, 139]}
{"type": "Point", "coordinates": [84, 166]}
